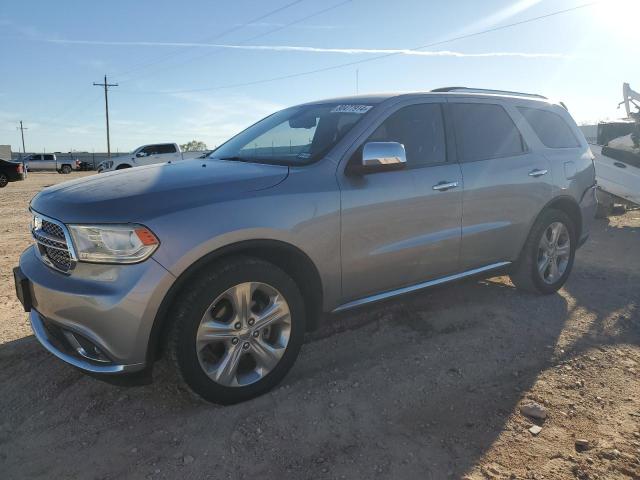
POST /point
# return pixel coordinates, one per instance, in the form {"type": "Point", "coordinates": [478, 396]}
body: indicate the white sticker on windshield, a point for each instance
{"type": "Point", "coordinates": [360, 109]}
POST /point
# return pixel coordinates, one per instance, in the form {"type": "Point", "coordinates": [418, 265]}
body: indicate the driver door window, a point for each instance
{"type": "Point", "coordinates": [149, 150]}
{"type": "Point", "coordinates": [420, 128]}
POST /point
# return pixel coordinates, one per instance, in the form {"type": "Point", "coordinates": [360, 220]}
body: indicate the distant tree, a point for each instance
{"type": "Point", "coordinates": [193, 146]}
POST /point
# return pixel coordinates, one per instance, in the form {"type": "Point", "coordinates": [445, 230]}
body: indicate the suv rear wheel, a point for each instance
{"type": "Point", "coordinates": [238, 330]}
{"type": "Point", "coordinates": [4, 180]}
{"type": "Point", "coordinates": [66, 169]}
{"type": "Point", "coordinates": [548, 254]}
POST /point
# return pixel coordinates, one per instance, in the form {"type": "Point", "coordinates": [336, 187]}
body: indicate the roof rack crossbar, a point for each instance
{"type": "Point", "coordinates": [486, 90]}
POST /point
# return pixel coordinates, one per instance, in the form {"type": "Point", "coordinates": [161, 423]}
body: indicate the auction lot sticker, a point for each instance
{"type": "Point", "coordinates": [360, 109]}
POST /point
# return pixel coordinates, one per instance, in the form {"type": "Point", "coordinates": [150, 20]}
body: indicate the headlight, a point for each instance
{"type": "Point", "coordinates": [113, 243]}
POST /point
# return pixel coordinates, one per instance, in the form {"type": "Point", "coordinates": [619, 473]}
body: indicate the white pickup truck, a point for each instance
{"type": "Point", "coordinates": [147, 155]}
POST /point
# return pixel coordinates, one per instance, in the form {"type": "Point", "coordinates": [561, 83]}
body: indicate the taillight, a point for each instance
{"type": "Point", "coordinates": [19, 168]}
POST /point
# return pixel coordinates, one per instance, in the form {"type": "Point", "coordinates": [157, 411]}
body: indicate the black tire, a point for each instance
{"type": "Point", "coordinates": [66, 169]}
{"type": "Point", "coordinates": [525, 275]}
{"type": "Point", "coordinates": [190, 308]}
{"type": "Point", "coordinates": [4, 180]}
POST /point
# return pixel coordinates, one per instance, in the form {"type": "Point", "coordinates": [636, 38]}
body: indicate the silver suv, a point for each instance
{"type": "Point", "coordinates": [222, 264]}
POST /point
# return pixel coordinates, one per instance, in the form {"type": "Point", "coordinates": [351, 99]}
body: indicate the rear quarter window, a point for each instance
{"type": "Point", "coordinates": [551, 128]}
{"type": "Point", "coordinates": [485, 131]}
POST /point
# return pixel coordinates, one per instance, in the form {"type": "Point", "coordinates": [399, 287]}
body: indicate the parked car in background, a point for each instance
{"type": "Point", "coordinates": [617, 161]}
{"type": "Point", "coordinates": [147, 155]}
{"type": "Point", "coordinates": [40, 162]}
{"type": "Point", "coordinates": [618, 175]}
{"type": "Point", "coordinates": [85, 166]}
{"type": "Point", "coordinates": [223, 264]}
{"type": "Point", "coordinates": [10, 172]}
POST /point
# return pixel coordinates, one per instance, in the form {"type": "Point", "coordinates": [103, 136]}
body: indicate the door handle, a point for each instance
{"type": "Point", "coordinates": [619, 164]}
{"type": "Point", "coordinates": [444, 186]}
{"type": "Point", "coordinates": [538, 172]}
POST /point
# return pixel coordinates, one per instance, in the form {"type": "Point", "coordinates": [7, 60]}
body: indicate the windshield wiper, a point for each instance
{"type": "Point", "coordinates": [234, 159]}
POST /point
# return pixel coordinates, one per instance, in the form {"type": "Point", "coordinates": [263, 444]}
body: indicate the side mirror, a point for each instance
{"type": "Point", "coordinates": [380, 156]}
{"type": "Point", "coordinates": [141, 154]}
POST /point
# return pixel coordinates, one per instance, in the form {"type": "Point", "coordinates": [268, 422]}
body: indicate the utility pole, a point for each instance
{"type": "Point", "coordinates": [106, 107]}
{"type": "Point", "coordinates": [22, 129]}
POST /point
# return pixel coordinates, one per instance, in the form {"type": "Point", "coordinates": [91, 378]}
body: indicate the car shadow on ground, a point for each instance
{"type": "Point", "coordinates": [418, 388]}
{"type": "Point", "coordinates": [606, 284]}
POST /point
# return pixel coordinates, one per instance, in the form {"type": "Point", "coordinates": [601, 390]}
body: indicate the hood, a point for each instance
{"type": "Point", "coordinates": [138, 194]}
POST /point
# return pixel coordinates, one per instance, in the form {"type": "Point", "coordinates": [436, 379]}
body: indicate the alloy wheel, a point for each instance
{"type": "Point", "coordinates": [243, 334]}
{"type": "Point", "coordinates": [554, 252]}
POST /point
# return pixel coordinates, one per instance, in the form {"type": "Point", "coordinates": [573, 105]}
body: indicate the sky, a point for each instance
{"type": "Point", "coordinates": [206, 69]}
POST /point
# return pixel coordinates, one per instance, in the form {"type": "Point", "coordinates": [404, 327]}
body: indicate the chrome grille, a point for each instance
{"type": "Point", "coordinates": [52, 243]}
{"type": "Point", "coordinates": [52, 229]}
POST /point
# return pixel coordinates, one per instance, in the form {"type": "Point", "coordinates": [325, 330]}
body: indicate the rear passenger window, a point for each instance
{"type": "Point", "coordinates": [420, 129]}
{"type": "Point", "coordinates": [168, 148]}
{"type": "Point", "coordinates": [485, 131]}
{"type": "Point", "coordinates": [550, 128]}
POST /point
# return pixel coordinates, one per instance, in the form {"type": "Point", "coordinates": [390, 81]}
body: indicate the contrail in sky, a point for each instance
{"type": "Point", "coordinates": [293, 48]}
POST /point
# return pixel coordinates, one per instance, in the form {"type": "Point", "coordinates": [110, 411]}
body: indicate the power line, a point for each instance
{"type": "Point", "coordinates": [214, 37]}
{"type": "Point", "coordinates": [300, 20]}
{"type": "Point", "coordinates": [106, 86]}
{"type": "Point", "coordinates": [255, 37]}
{"type": "Point", "coordinates": [377, 57]}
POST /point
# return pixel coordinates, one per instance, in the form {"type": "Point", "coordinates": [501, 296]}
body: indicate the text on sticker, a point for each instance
{"type": "Point", "coordinates": [352, 109]}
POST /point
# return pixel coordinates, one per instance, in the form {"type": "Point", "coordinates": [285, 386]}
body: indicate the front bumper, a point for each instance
{"type": "Point", "coordinates": [75, 357]}
{"type": "Point", "coordinates": [109, 309]}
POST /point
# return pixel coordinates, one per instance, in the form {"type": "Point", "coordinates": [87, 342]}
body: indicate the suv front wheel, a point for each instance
{"type": "Point", "coordinates": [548, 254]}
{"type": "Point", "coordinates": [237, 330]}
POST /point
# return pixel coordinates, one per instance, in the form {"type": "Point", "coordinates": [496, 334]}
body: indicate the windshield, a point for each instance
{"type": "Point", "coordinates": [294, 136]}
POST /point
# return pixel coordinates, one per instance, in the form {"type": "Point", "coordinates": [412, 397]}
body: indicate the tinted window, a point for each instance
{"type": "Point", "coordinates": [48, 157]}
{"type": "Point", "coordinates": [158, 149]}
{"type": "Point", "coordinates": [35, 157]}
{"type": "Point", "coordinates": [550, 128]}
{"type": "Point", "coordinates": [420, 129]}
{"type": "Point", "coordinates": [485, 131]}
{"type": "Point", "coordinates": [167, 148]}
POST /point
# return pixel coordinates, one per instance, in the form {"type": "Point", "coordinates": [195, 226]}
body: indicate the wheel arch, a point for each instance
{"type": "Point", "coordinates": [569, 206]}
{"type": "Point", "coordinates": [289, 258]}
{"type": "Point", "coordinates": [565, 204]}
{"type": "Point", "coordinates": [122, 165]}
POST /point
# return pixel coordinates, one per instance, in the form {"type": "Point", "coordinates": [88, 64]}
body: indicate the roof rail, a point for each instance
{"type": "Point", "coordinates": [486, 90]}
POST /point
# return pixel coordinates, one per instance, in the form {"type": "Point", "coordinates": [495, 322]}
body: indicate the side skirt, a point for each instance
{"type": "Point", "coordinates": [412, 288]}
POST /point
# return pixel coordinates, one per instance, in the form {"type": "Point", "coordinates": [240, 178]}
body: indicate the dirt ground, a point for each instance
{"type": "Point", "coordinates": [428, 387]}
